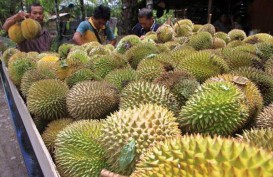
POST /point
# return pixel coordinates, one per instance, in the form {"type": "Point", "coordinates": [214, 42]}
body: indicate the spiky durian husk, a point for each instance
{"type": "Point", "coordinates": [47, 62]}
{"type": "Point", "coordinates": [47, 99]}
{"type": "Point", "coordinates": [183, 27]}
{"type": "Point", "coordinates": [218, 43]}
{"type": "Point", "coordinates": [253, 96]}
{"type": "Point", "coordinates": [81, 75]}
{"type": "Point", "coordinates": [236, 58]}
{"type": "Point", "coordinates": [260, 37]}
{"type": "Point", "coordinates": [183, 47]}
{"type": "Point", "coordinates": [265, 118]}
{"type": "Point", "coordinates": [149, 69]}
{"type": "Point", "coordinates": [63, 71]}
{"type": "Point", "coordinates": [268, 66]}
{"type": "Point", "coordinates": [196, 27]}
{"type": "Point", "coordinates": [135, 54]}
{"type": "Point", "coordinates": [263, 81]}
{"type": "Point", "coordinates": [236, 34]}
{"type": "Point", "coordinates": [235, 43]}
{"type": "Point", "coordinates": [52, 130]}
{"type": "Point", "coordinates": [109, 47]}
{"type": "Point", "coordinates": [222, 35]}
{"type": "Point", "coordinates": [264, 50]}
{"type": "Point", "coordinates": [64, 49]}
{"type": "Point", "coordinates": [92, 100]}
{"type": "Point", "coordinates": [172, 44]}
{"type": "Point", "coordinates": [137, 93]}
{"type": "Point", "coordinates": [8, 54]}
{"type": "Point", "coordinates": [169, 79]}
{"type": "Point", "coordinates": [162, 48]}
{"type": "Point", "coordinates": [151, 35]}
{"type": "Point", "coordinates": [145, 125]}
{"type": "Point", "coordinates": [215, 108]}
{"type": "Point", "coordinates": [181, 40]}
{"type": "Point", "coordinates": [18, 67]}
{"type": "Point", "coordinates": [197, 156]}
{"type": "Point", "coordinates": [43, 54]}
{"type": "Point", "coordinates": [207, 28]}
{"type": "Point", "coordinates": [102, 65]}
{"type": "Point", "coordinates": [120, 78]}
{"type": "Point", "coordinates": [200, 41]}
{"type": "Point", "coordinates": [184, 89]}
{"type": "Point", "coordinates": [247, 48]}
{"type": "Point", "coordinates": [90, 45]}
{"type": "Point", "coordinates": [77, 152]}
{"type": "Point", "coordinates": [203, 65]}
{"type": "Point", "coordinates": [126, 43]}
{"type": "Point", "coordinates": [99, 50]}
{"type": "Point", "coordinates": [33, 56]}
{"type": "Point", "coordinates": [165, 33]}
{"type": "Point", "coordinates": [32, 76]}
{"type": "Point", "coordinates": [259, 138]}
{"type": "Point", "coordinates": [77, 58]}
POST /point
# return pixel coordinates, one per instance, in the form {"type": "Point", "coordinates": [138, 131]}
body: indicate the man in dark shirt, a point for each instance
{"type": "Point", "coordinates": [39, 44]}
{"type": "Point", "coordinates": [146, 23]}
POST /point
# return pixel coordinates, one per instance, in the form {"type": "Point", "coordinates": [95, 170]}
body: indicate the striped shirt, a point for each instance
{"type": "Point", "coordinates": [39, 44]}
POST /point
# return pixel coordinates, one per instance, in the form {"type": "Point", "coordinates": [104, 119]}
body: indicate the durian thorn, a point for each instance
{"type": "Point", "coordinates": [106, 173]}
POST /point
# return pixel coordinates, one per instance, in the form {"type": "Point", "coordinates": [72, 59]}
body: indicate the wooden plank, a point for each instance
{"type": "Point", "coordinates": [46, 163]}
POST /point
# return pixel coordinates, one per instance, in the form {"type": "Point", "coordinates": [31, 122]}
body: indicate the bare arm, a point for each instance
{"type": "Point", "coordinates": [113, 42]}
{"type": "Point", "coordinates": [13, 19]}
{"type": "Point", "coordinates": [77, 38]}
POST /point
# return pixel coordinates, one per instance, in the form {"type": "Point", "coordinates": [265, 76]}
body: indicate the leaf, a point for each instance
{"type": "Point", "coordinates": [127, 155]}
{"type": "Point", "coordinates": [63, 64]}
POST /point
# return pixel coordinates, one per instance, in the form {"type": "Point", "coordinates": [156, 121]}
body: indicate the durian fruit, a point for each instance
{"type": "Point", "coordinates": [215, 108]}
{"type": "Point", "coordinates": [222, 35]}
{"type": "Point", "coordinates": [207, 28]}
{"type": "Point", "coordinates": [109, 47]}
{"type": "Point", "coordinates": [77, 47]}
{"type": "Point", "coordinates": [151, 35]}
{"type": "Point", "coordinates": [32, 76]}
{"type": "Point", "coordinates": [149, 69]}
{"type": "Point", "coordinates": [142, 92]}
{"type": "Point", "coordinates": [259, 138]}
{"type": "Point", "coordinates": [40, 123]}
{"type": "Point", "coordinates": [77, 152]}
{"type": "Point", "coordinates": [77, 58]}
{"type": "Point", "coordinates": [260, 37]}
{"type": "Point", "coordinates": [43, 54]}
{"type": "Point", "coordinates": [90, 45]}
{"type": "Point", "coordinates": [126, 43]}
{"type": "Point", "coordinates": [17, 68]}
{"type": "Point", "coordinates": [99, 50]}
{"type": "Point", "coordinates": [172, 44]}
{"type": "Point", "coordinates": [235, 43]}
{"type": "Point", "coordinates": [196, 27]}
{"type": "Point", "coordinates": [200, 41]}
{"type": "Point", "coordinates": [263, 81]}
{"type": "Point", "coordinates": [47, 99]}
{"type": "Point", "coordinates": [162, 48]}
{"type": "Point", "coordinates": [236, 34]}
{"type": "Point", "coordinates": [48, 62]}
{"type": "Point", "coordinates": [164, 33]}
{"type": "Point", "coordinates": [268, 66]}
{"type": "Point", "coordinates": [203, 65]}
{"type": "Point", "coordinates": [184, 89]}
{"type": "Point", "coordinates": [265, 118]}
{"type": "Point", "coordinates": [197, 156]}
{"type": "Point", "coordinates": [33, 55]}
{"type": "Point", "coordinates": [8, 54]}
{"type": "Point", "coordinates": [236, 58]}
{"type": "Point", "coordinates": [81, 75]}
{"type": "Point", "coordinates": [92, 100]}
{"type": "Point", "coordinates": [181, 40]}
{"type": "Point", "coordinates": [246, 48]}
{"type": "Point", "coordinates": [15, 33]}
{"type": "Point", "coordinates": [53, 128]}
{"type": "Point", "coordinates": [102, 65]}
{"type": "Point", "coordinates": [64, 49]}
{"type": "Point", "coordinates": [253, 96]}
{"type": "Point", "coordinates": [137, 128]}
{"type": "Point", "coordinates": [30, 28]}
{"type": "Point", "coordinates": [183, 27]}
{"type": "Point", "coordinates": [135, 54]}
{"type": "Point", "coordinates": [148, 40]}
{"type": "Point", "coordinates": [264, 50]}
{"type": "Point", "coordinates": [218, 43]}
{"type": "Point", "coordinates": [120, 78]}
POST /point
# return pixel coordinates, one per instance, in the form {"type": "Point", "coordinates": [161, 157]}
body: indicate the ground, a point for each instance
{"type": "Point", "coordinates": [11, 161]}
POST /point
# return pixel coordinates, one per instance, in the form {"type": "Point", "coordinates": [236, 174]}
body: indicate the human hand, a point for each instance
{"type": "Point", "coordinates": [142, 37]}
{"type": "Point", "coordinates": [21, 15]}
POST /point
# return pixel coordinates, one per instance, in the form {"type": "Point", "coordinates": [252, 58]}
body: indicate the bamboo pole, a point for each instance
{"type": "Point", "coordinates": [209, 11]}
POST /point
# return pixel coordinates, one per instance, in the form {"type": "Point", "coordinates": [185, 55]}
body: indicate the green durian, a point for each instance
{"type": "Point", "coordinates": [215, 108]}
{"type": "Point", "coordinates": [64, 49]}
{"type": "Point", "coordinates": [77, 152]}
{"type": "Point", "coordinates": [183, 27]}
{"type": "Point", "coordinates": [196, 27]}
{"type": "Point", "coordinates": [99, 50]}
{"type": "Point", "coordinates": [47, 99]}
{"type": "Point", "coordinates": [8, 54]}
{"type": "Point", "coordinates": [264, 50]}
{"type": "Point", "coordinates": [164, 33]}
{"type": "Point", "coordinates": [265, 118]}
{"type": "Point", "coordinates": [77, 58]}
{"type": "Point", "coordinates": [200, 41]}
{"type": "Point", "coordinates": [92, 100]}
{"type": "Point", "coordinates": [236, 34]}
{"type": "Point", "coordinates": [143, 126]}
{"type": "Point", "coordinates": [126, 43]}
{"type": "Point", "coordinates": [235, 43]}
{"type": "Point", "coordinates": [222, 35]}
{"type": "Point", "coordinates": [207, 28]}
{"type": "Point", "coordinates": [260, 37]}
{"type": "Point", "coordinates": [218, 43]}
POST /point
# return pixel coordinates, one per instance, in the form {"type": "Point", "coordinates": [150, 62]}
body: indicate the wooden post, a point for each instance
{"type": "Point", "coordinates": [57, 19]}
{"type": "Point", "coordinates": [209, 11]}
{"type": "Point", "coordinates": [82, 9]}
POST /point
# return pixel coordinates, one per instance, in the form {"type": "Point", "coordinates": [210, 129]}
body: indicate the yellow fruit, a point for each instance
{"type": "Point", "coordinates": [15, 33]}
{"type": "Point", "coordinates": [30, 28]}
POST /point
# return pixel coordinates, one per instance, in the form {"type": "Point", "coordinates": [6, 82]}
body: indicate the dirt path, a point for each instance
{"type": "Point", "coordinates": [11, 161]}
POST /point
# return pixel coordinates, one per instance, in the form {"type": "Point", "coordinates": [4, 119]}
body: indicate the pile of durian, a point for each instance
{"type": "Point", "coordinates": [184, 101]}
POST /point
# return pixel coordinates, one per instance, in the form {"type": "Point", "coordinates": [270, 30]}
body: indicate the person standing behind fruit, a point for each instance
{"type": "Point", "coordinates": [95, 28]}
{"type": "Point", "coordinates": [43, 41]}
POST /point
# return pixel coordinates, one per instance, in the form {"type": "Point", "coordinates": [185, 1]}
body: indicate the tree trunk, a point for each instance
{"type": "Point", "coordinates": [82, 10]}
{"type": "Point", "coordinates": [128, 16]}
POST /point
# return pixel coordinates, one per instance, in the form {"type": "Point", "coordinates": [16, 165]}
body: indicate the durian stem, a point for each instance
{"type": "Point", "coordinates": [209, 19]}
{"type": "Point", "coordinates": [106, 173]}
